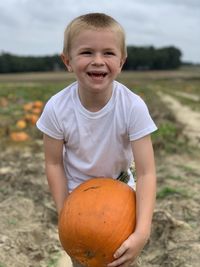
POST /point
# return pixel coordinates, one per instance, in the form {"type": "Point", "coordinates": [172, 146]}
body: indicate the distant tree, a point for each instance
{"type": "Point", "coordinates": [167, 58]}
{"type": "Point", "coordinates": [143, 58]}
{"type": "Point", "coordinates": [139, 58]}
{"type": "Point", "coordinates": [11, 63]}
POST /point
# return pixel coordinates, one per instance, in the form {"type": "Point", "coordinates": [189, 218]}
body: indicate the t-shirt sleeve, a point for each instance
{"type": "Point", "coordinates": [48, 122]}
{"type": "Point", "coordinates": [140, 121]}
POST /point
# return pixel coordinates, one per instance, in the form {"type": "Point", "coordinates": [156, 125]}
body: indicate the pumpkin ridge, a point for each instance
{"type": "Point", "coordinates": [90, 188]}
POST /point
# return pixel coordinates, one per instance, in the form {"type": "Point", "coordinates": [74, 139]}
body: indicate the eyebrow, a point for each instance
{"type": "Point", "coordinates": [90, 48]}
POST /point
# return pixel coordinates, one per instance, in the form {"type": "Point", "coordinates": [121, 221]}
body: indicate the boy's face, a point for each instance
{"type": "Point", "coordinates": [95, 58]}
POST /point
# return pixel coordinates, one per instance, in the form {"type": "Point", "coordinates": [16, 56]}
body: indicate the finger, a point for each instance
{"type": "Point", "coordinates": [118, 262]}
{"type": "Point", "coordinates": [125, 264]}
{"type": "Point", "coordinates": [120, 251]}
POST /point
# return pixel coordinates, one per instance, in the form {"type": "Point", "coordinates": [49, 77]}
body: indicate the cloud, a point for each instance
{"type": "Point", "coordinates": [36, 27]}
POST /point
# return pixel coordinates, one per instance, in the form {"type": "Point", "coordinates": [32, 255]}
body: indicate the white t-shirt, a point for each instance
{"type": "Point", "coordinates": [97, 144]}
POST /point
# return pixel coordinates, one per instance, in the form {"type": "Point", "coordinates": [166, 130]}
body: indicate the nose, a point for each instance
{"type": "Point", "coordinates": [97, 60]}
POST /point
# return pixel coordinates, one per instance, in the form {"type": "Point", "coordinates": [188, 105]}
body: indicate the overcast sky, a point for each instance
{"type": "Point", "coordinates": [35, 27]}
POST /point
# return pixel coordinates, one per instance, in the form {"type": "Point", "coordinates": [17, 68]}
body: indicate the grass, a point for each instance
{"type": "Point", "coordinates": [12, 221]}
{"type": "Point", "coordinates": [167, 191]}
{"type": "Point", "coordinates": [53, 261]}
{"type": "Point", "coordinates": [22, 93]}
{"type": "Point", "coordinates": [166, 136]}
{"type": "Point", "coordinates": [175, 177]}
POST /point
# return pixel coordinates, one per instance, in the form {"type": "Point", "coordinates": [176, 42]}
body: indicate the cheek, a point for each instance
{"type": "Point", "coordinates": [81, 63]}
{"type": "Point", "coordinates": [117, 66]}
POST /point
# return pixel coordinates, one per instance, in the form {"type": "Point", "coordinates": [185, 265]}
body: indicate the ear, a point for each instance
{"type": "Point", "coordinates": [122, 62]}
{"type": "Point", "coordinates": [66, 61]}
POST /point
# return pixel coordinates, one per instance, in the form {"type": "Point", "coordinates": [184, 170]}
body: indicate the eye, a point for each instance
{"type": "Point", "coordinates": [109, 53]}
{"type": "Point", "coordinates": [86, 52]}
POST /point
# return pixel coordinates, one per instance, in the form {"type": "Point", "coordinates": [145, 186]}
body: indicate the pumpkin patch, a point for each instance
{"type": "Point", "coordinates": [30, 114]}
{"type": "Point", "coordinates": [96, 218]}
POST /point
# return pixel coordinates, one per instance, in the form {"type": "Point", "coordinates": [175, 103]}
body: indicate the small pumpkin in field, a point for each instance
{"type": "Point", "coordinates": [38, 104]}
{"type": "Point", "coordinates": [31, 118]}
{"type": "Point", "coordinates": [28, 106]}
{"type": "Point", "coordinates": [36, 110]}
{"type": "Point", "coordinates": [95, 220]}
{"type": "Point", "coordinates": [21, 124]}
{"type": "Point", "coordinates": [19, 136]}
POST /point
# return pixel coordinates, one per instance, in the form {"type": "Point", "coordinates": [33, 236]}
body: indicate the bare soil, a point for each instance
{"type": "Point", "coordinates": [28, 220]}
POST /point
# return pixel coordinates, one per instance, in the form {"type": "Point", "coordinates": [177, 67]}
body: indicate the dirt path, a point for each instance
{"type": "Point", "coordinates": [189, 118]}
{"type": "Point", "coordinates": [176, 228]}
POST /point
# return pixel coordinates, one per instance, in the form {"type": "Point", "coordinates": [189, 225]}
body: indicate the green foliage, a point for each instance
{"type": "Point", "coordinates": [149, 58]}
{"type": "Point", "coordinates": [169, 191]}
{"type": "Point", "coordinates": [11, 63]}
{"type": "Point", "coordinates": [168, 137]}
{"type": "Point", "coordinates": [53, 261]}
{"type": "Point", "coordinates": [167, 131]}
{"type": "Point", "coordinates": [19, 93]}
{"type": "Point", "coordinates": [175, 177]}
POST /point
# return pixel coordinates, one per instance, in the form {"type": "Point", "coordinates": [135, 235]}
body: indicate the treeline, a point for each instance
{"type": "Point", "coordinates": [149, 58]}
{"type": "Point", "coordinates": [11, 63]}
{"type": "Point", "coordinates": [139, 58]}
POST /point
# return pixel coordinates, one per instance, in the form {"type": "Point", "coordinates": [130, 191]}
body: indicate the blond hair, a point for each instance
{"type": "Point", "coordinates": [93, 21]}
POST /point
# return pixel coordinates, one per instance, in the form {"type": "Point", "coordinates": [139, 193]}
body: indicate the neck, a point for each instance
{"type": "Point", "coordinates": [94, 101]}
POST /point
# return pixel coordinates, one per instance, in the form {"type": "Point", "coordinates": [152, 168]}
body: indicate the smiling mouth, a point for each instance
{"type": "Point", "coordinates": [97, 74]}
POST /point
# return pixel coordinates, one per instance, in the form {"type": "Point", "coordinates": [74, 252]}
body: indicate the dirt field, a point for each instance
{"type": "Point", "coordinates": [28, 221]}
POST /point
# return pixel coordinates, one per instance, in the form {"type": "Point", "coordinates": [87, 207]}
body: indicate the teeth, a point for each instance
{"type": "Point", "coordinates": [97, 74]}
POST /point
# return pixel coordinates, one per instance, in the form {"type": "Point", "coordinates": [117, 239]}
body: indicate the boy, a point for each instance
{"type": "Point", "coordinates": [99, 124]}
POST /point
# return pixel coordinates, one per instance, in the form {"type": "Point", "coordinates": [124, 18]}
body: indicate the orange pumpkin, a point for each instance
{"type": "Point", "coordinates": [27, 117]}
{"type": "Point", "coordinates": [34, 119]}
{"type": "Point", "coordinates": [95, 220]}
{"type": "Point", "coordinates": [38, 104]}
{"type": "Point", "coordinates": [19, 136]}
{"type": "Point", "coordinates": [31, 118]}
{"type": "Point", "coordinates": [28, 106]}
{"type": "Point", "coordinates": [21, 124]}
{"type": "Point", "coordinates": [36, 110]}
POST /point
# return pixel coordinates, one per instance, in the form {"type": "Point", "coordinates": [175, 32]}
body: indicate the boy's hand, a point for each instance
{"type": "Point", "coordinates": [127, 253]}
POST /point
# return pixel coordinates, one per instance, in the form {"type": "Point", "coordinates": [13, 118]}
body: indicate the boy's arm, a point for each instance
{"type": "Point", "coordinates": [57, 180]}
{"type": "Point", "coordinates": [145, 185]}
{"type": "Point", "coordinates": [145, 197]}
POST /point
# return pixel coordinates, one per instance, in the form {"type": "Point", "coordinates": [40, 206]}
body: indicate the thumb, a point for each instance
{"type": "Point", "coordinates": [120, 251]}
